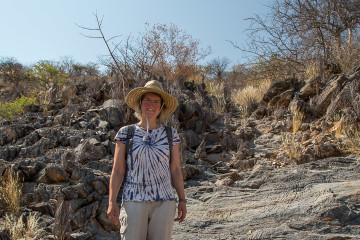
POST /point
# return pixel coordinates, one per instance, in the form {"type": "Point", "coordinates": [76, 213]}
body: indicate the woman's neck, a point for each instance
{"type": "Point", "coordinates": [152, 124]}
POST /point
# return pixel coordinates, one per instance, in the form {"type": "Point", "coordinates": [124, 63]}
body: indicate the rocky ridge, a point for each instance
{"type": "Point", "coordinates": [241, 180]}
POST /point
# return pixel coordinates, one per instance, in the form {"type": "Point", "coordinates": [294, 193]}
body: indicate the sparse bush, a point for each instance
{"type": "Point", "coordinates": [11, 70]}
{"type": "Point", "coordinates": [350, 119]}
{"type": "Point", "coordinates": [297, 120]}
{"type": "Point", "coordinates": [200, 150]}
{"type": "Point", "coordinates": [252, 92]}
{"type": "Point", "coordinates": [215, 88]}
{"type": "Point", "coordinates": [250, 95]}
{"type": "Point", "coordinates": [219, 105]}
{"type": "Point", "coordinates": [90, 69]}
{"type": "Point", "coordinates": [352, 143]}
{"type": "Point", "coordinates": [290, 146]}
{"type": "Point", "coordinates": [10, 192]}
{"type": "Point", "coordinates": [23, 227]}
{"type": "Point", "coordinates": [13, 109]}
{"type": "Point", "coordinates": [46, 74]}
{"type": "Point", "coordinates": [62, 228]}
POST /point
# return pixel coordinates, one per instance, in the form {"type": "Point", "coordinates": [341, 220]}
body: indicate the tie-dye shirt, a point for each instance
{"type": "Point", "coordinates": [150, 178]}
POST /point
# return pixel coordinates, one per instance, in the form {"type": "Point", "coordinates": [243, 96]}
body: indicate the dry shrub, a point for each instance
{"type": "Point", "coordinates": [23, 227]}
{"type": "Point", "coordinates": [250, 95]}
{"type": "Point", "coordinates": [297, 120]}
{"type": "Point", "coordinates": [290, 146]}
{"type": "Point", "coordinates": [200, 150]}
{"type": "Point", "coordinates": [338, 129]}
{"type": "Point", "coordinates": [350, 120]}
{"type": "Point", "coordinates": [10, 192]}
{"type": "Point", "coordinates": [311, 69]}
{"type": "Point", "coordinates": [219, 105]}
{"type": "Point", "coordinates": [62, 227]}
{"type": "Point", "coordinates": [352, 142]}
{"type": "Point", "coordinates": [215, 88]}
{"type": "Point", "coordinates": [346, 58]}
{"type": "Point", "coordinates": [279, 113]}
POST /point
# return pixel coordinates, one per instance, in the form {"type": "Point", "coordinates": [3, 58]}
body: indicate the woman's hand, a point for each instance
{"type": "Point", "coordinates": [181, 211]}
{"type": "Point", "coordinates": [113, 213]}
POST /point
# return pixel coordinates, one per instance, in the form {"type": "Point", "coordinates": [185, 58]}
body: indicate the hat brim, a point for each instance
{"type": "Point", "coordinates": [170, 102]}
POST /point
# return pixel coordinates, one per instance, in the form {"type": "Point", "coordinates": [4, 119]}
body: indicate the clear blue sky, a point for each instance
{"type": "Point", "coordinates": [33, 30]}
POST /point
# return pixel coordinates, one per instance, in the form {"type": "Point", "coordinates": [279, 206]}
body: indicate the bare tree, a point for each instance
{"type": "Point", "coordinates": [110, 49]}
{"type": "Point", "coordinates": [162, 51]}
{"type": "Point", "coordinates": [217, 67]}
{"type": "Point", "coordinates": [302, 31]}
{"type": "Point", "coordinates": [12, 71]}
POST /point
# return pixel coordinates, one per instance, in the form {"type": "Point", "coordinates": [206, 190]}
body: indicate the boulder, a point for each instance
{"type": "Point", "coordinates": [228, 178]}
{"type": "Point", "coordinates": [244, 164]}
{"type": "Point", "coordinates": [189, 138]}
{"type": "Point", "coordinates": [189, 171]}
{"type": "Point", "coordinates": [67, 94]}
{"type": "Point", "coordinates": [214, 158]}
{"type": "Point", "coordinates": [115, 112]}
{"type": "Point", "coordinates": [99, 186]}
{"type": "Point", "coordinates": [279, 87]}
{"type": "Point", "coordinates": [282, 100]}
{"type": "Point", "coordinates": [89, 150]}
{"type": "Point", "coordinates": [52, 173]}
{"type": "Point", "coordinates": [84, 215]}
{"type": "Point", "coordinates": [311, 88]}
{"type": "Point", "coordinates": [330, 91]}
{"type": "Point", "coordinates": [326, 150]}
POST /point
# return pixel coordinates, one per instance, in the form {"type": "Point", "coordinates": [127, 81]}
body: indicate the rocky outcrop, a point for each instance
{"type": "Point", "coordinates": [317, 200]}
{"type": "Point", "coordinates": [255, 178]}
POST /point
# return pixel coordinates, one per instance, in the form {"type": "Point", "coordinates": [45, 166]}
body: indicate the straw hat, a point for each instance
{"type": "Point", "coordinates": [153, 86]}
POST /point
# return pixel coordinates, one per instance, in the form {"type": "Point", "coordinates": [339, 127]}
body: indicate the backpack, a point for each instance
{"type": "Point", "coordinates": [129, 142]}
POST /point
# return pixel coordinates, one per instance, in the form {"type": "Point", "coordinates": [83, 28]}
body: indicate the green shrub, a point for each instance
{"type": "Point", "coordinates": [46, 74]}
{"type": "Point", "coordinates": [11, 110]}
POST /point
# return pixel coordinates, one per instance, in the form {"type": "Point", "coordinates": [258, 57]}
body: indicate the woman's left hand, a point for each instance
{"type": "Point", "coordinates": [181, 211]}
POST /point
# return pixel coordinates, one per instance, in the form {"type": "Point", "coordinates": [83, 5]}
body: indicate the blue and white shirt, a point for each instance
{"type": "Point", "coordinates": [150, 179]}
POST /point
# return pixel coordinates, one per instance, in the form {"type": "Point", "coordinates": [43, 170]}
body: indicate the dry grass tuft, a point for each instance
{"type": "Point", "coordinates": [352, 142]}
{"type": "Point", "coordinates": [351, 119]}
{"type": "Point", "coordinates": [251, 93]}
{"type": "Point", "coordinates": [290, 146]}
{"type": "Point", "coordinates": [10, 192]}
{"type": "Point", "coordinates": [297, 120]}
{"type": "Point", "coordinates": [23, 227]}
{"type": "Point", "coordinates": [215, 89]}
{"type": "Point", "coordinates": [219, 105]}
{"type": "Point", "coordinates": [62, 227]}
{"type": "Point", "coordinates": [246, 97]}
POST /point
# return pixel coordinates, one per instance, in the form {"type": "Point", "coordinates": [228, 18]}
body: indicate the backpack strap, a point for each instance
{"type": "Point", "coordinates": [170, 139]}
{"type": "Point", "coordinates": [129, 143]}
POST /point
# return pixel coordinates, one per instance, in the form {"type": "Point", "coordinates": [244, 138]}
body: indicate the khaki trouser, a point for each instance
{"type": "Point", "coordinates": [147, 220]}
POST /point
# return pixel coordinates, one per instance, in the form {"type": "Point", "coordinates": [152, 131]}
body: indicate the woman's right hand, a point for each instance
{"type": "Point", "coordinates": [113, 213]}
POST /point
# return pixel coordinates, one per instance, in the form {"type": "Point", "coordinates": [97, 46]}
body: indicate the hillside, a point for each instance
{"type": "Point", "coordinates": [287, 171]}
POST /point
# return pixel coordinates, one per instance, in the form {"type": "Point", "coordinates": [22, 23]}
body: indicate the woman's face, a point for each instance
{"type": "Point", "coordinates": [150, 106]}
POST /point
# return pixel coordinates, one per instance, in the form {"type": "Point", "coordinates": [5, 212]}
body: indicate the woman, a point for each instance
{"type": "Point", "coordinates": [149, 205]}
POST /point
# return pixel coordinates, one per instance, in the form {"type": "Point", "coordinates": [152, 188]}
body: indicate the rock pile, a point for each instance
{"type": "Point", "coordinates": [242, 177]}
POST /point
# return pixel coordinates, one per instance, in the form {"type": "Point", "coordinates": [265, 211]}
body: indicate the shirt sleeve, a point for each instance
{"type": "Point", "coordinates": [176, 138]}
{"type": "Point", "coordinates": [121, 135]}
